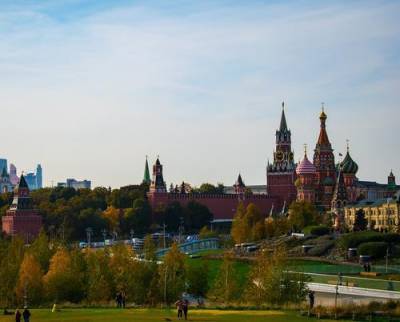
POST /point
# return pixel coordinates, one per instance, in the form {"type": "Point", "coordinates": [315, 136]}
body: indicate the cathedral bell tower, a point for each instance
{"type": "Point", "coordinates": [324, 162]}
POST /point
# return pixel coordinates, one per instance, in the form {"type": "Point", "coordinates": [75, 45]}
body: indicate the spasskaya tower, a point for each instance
{"type": "Point", "coordinates": [281, 173]}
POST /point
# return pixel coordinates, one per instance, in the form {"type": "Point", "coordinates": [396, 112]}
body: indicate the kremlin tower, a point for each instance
{"type": "Point", "coordinates": [21, 219]}
{"type": "Point", "coordinates": [281, 173]}
{"type": "Point", "coordinates": [305, 183]}
{"type": "Point", "coordinates": [324, 162]}
{"type": "Point", "coordinates": [158, 183]}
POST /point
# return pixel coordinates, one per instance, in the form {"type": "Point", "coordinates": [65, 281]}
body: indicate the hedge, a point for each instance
{"type": "Point", "coordinates": [352, 240]}
{"type": "Point", "coordinates": [373, 249]}
{"type": "Point", "coordinates": [319, 230]}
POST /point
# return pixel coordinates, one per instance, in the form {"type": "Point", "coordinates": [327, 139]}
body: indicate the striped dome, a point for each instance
{"type": "Point", "coordinates": [348, 165]}
{"type": "Point", "coordinates": [305, 167]}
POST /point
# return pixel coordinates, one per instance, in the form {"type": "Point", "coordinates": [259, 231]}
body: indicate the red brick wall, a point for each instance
{"type": "Point", "coordinates": [222, 206]}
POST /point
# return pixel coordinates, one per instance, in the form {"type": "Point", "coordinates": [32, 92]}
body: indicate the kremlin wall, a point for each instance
{"type": "Point", "coordinates": [330, 186]}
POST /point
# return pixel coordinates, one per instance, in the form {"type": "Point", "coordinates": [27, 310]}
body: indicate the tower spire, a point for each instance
{"type": "Point", "coordinates": [283, 125]}
{"type": "Point", "coordinates": [146, 176]}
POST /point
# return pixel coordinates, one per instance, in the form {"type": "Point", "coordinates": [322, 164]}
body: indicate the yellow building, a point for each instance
{"type": "Point", "coordinates": [381, 214]}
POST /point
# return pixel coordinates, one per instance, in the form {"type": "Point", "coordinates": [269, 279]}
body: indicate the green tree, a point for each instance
{"type": "Point", "coordinates": [99, 285]}
{"type": "Point", "coordinates": [41, 250]}
{"type": "Point", "coordinates": [270, 281]}
{"type": "Point", "coordinates": [13, 254]}
{"type": "Point", "coordinates": [197, 279]}
{"type": "Point", "coordinates": [149, 248]}
{"type": "Point", "coordinates": [207, 233]}
{"type": "Point", "coordinates": [196, 216]}
{"type": "Point", "coordinates": [172, 274]}
{"type": "Point", "coordinates": [139, 216]}
{"type": "Point", "coordinates": [302, 214]}
{"type": "Point", "coordinates": [171, 216]}
{"type": "Point", "coordinates": [64, 281]}
{"type": "Point", "coordinates": [208, 188]}
{"type": "Point", "coordinates": [360, 222]}
{"type": "Point", "coordinates": [226, 285]}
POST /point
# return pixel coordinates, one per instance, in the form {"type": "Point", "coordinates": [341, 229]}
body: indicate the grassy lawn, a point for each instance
{"type": "Point", "coordinates": [329, 271]}
{"type": "Point", "coordinates": [150, 315]}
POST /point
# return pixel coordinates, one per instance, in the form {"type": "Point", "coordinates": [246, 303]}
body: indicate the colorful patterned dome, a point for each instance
{"type": "Point", "coordinates": [348, 165]}
{"type": "Point", "coordinates": [328, 181]}
{"type": "Point", "coordinates": [305, 167]}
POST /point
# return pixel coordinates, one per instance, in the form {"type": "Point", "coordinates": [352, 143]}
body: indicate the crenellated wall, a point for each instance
{"type": "Point", "coordinates": [223, 206]}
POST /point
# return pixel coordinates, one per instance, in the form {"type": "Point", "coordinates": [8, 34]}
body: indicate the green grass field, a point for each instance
{"type": "Point", "coordinates": [329, 272]}
{"type": "Point", "coordinates": [153, 315]}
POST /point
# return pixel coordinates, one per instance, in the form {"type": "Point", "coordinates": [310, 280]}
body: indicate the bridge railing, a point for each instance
{"type": "Point", "coordinates": [193, 246]}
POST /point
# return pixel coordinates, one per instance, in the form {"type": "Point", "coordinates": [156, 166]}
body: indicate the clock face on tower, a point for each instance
{"type": "Point", "coordinates": [279, 156]}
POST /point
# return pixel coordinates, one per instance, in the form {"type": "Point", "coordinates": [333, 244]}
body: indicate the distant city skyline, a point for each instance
{"type": "Point", "coordinates": [92, 87]}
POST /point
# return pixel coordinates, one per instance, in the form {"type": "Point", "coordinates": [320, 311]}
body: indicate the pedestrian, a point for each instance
{"type": "Point", "coordinates": [185, 308]}
{"type": "Point", "coordinates": [179, 306]}
{"type": "Point", "coordinates": [118, 299]}
{"type": "Point", "coordinates": [123, 299]}
{"type": "Point", "coordinates": [311, 298]}
{"type": "Point", "coordinates": [26, 314]}
{"type": "Point", "coordinates": [17, 316]}
{"type": "Point", "coordinates": [368, 267]}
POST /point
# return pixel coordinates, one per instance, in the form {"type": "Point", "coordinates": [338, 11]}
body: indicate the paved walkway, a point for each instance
{"type": "Point", "coordinates": [354, 291]}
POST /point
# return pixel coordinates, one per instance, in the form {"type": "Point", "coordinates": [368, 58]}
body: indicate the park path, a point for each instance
{"type": "Point", "coordinates": [354, 291]}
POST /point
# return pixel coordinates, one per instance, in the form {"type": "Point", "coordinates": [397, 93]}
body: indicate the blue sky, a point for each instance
{"type": "Point", "coordinates": [88, 88]}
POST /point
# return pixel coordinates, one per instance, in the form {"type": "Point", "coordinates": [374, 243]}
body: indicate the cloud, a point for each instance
{"type": "Point", "coordinates": [200, 84]}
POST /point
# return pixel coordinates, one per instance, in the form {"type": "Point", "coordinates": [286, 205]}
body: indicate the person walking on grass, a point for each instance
{"type": "Point", "coordinates": [185, 308]}
{"type": "Point", "coordinates": [26, 314]}
{"type": "Point", "coordinates": [17, 316]}
{"type": "Point", "coordinates": [179, 306]}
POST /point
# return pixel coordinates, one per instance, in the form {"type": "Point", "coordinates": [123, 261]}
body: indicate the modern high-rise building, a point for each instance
{"type": "Point", "coordinates": [39, 176]}
{"type": "Point", "coordinates": [73, 183]}
{"type": "Point", "coordinates": [35, 180]}
{"type": "Point", "coordinates": [3, 165]}
{"type": "Point", "coordinates": [13, 175]}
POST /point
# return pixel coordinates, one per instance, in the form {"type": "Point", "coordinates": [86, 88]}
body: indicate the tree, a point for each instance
{"type": "Point", "coordinates": [29, 280]}
{"type": "Point", "coordinates": [240, 227]}
{"type": "Point", "coordinates": [207, 233]}
{"type": "Point", "coordinates": [172, 274]}
{"type": "Point", "coordinates": [149, 248]}
{"type": "Point", "coordinates": [171, 216]}
{"type": "Point", "coordinates": [99, 285]}
{"type": "Point", "coordinates": [13, 255]}
{"type": "Point", "coordinates": [248, 224]}
{"type": "Point", "coordinates": [270, 282]}
{"type": "Point", "coordinates": [139, 216]}
{"type": "Point", "coordinates": [226, 285]}
{"type": "Point", "coordinates": [112, 215]}
{"type": "Point", "coordinates": [63, 281]}
{"type": "Point", "coordinates": [41, 250]}
{"type": "Point", "coordinates": [302, 214]}
{"type": "Point", "coordinates": [196, 216]}
{"type": "Point", "coordinates": [197, 279]}
{"type": "Point", "coordinates": [360, 222]}
{"type": "Point", "coordinates": [208, 188]}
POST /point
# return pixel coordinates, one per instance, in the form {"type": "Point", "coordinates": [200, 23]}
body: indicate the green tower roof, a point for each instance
{"type": "Point", "coordinates": [146, 177]}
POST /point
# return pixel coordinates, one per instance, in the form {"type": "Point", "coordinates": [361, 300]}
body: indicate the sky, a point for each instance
{"type": "Point", "coordinates": [89, 88]}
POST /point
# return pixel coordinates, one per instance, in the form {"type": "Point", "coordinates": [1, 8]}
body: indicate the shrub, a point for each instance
{"type": "Point", "coordinates": [373, 249]}
{"type": "Point", "coordinates": [321, 248]}
{"type": "Point", "coordinates": [319, 230]}
{"type": "Point", "coordinates": [352, 240]}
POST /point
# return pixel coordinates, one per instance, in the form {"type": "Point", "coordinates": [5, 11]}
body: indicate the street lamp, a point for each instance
{"type": "Point", "coordinates": [89, 232]}
{"type": "Point", "coordinates": [104, 232]}
{"type": "Point", "coordinates": [180, 230]}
